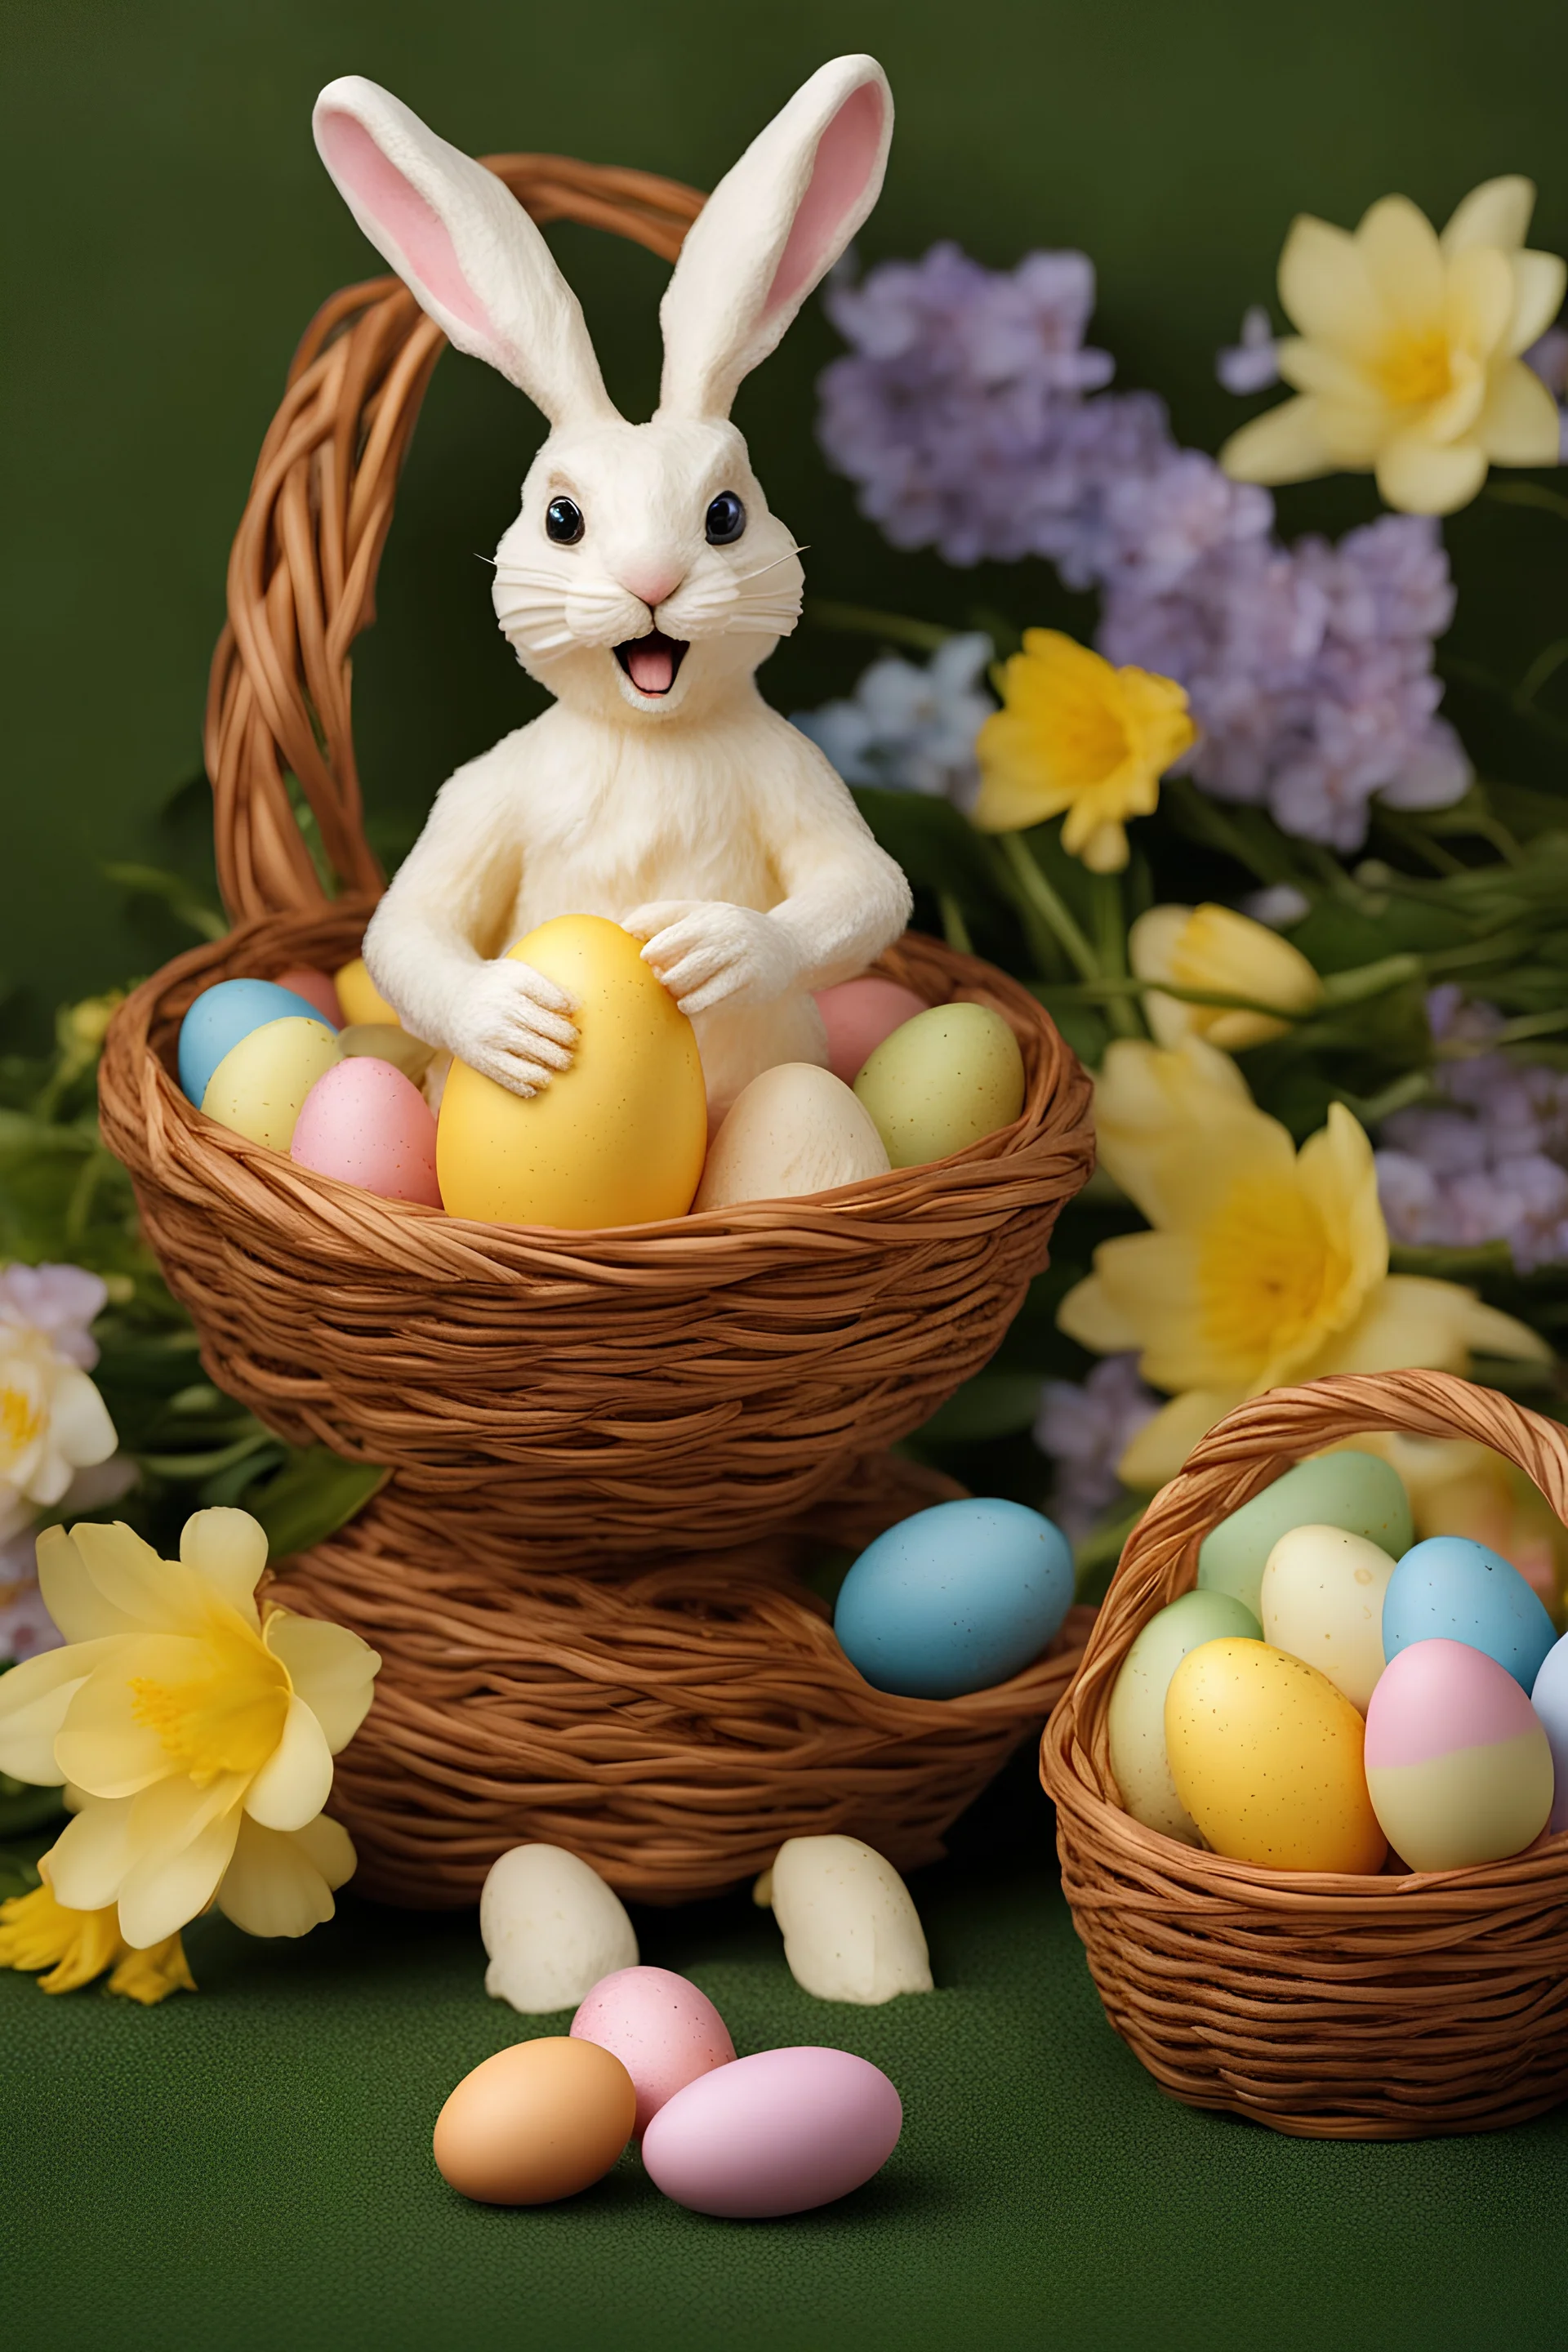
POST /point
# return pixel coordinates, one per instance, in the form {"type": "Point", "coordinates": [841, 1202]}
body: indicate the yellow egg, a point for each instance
{"type": "Point", "coordinates": [618, 1139]}
{"type": "Point", "coordinates": [359, 997]}
{"type": "Point", "coordinates": [1267, 1756]}
{"type": "Point", "coordinates": [260, 1084]}
{"type": "Point", "coordinates": [942, 1080]}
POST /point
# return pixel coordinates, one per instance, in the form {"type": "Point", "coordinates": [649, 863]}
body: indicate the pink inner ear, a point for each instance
{"type": "Point", "coordinates": [358, 164]}
{"type": "Point", "coordinates": [844, 155]}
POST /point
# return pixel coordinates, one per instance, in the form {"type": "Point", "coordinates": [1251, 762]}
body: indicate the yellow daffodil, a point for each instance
{"type": "Point", "coordinates": [1216, 951]}
{"type": "Point", "coordinates": [1264, 1264]}
{"type": "Point", "coordinates": [195, 1730]}
{"type": "Point", "coordinates": [1457, 1488]}
{"type": "Point", "coordinates": [1408, 362]}
{"type": "Point", "coordinates": [1076, 735]}
{"type": "Point", "coordinates": [38, 1932]}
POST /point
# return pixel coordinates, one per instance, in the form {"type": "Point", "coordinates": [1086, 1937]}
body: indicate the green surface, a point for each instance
{"type": "Point", "coordinates": [249, 2167]}
{"type": "Point", "coordinates": [171, 231]}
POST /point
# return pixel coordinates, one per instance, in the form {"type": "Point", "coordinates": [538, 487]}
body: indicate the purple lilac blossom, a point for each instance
{"type": "Point", "coordinates": [1252, 364]}
{"type": "Point", "coordinates": [1549, 358]}
{"type": "Point", "coordinates": [961, 414]}
{"type": "Point", "coordinates": [1085, 1429]}
{"type": "Point", "coordinates": [1490, 1161]}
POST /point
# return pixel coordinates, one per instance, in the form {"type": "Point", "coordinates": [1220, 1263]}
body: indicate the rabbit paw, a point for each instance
{"type": "Point", "coordinates": [511, 1025]}
{"type": "Point", "coordinates": [709, 953]}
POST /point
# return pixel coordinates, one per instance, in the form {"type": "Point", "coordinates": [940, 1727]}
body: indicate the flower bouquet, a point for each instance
{"type": "Point", "coordinates": [1231, 835]}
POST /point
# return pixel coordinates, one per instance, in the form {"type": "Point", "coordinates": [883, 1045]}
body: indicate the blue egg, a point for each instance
{"type": "Point", "coordinates": [1450, 1588]}
{"type": "Point", "coordinates": [221, 1016]}
{"type": "Point", "coordinates": [956, 1599]}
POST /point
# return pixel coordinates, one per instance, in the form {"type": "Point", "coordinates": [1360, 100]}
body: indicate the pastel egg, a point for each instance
{"type": "Point", "coordinates": [1266, 1755]}
{"type": "Point", "coordinates": [782, 2131]}
{"type": "Point", "coordinates": [317, 988]}
{"type": "Point", "coordinates": [858, 1014]}
{"type": "Point", "coordinates": [259, 1087]}
{"type": "Point", "coordinates": [619, 1137]}
{"type": "Point", "coordinates": [1136, 1717]}
{"type": "Point", "coordinates": [535, 2123]}
{"type": "Point", "coordinates": [1455, 1590]}
{"type": "Point", "coordinates": [1322, 1601]}
{"type": "Point", "coordinates": [359, 995]}
{"type": "Point", "coordinates": [941, 1081]}
{"type": "Point", "coordinates": [664, 2030]}
{"type": "Point", "coordinates": [1458, 1762]}
{"type": "Point", "coordinates": [1354, 1491]}
{"type": "Point", "coordinates": [1549, 1698]}
{"type": "Point", "coordinates": [364, 1123]}
{"type": "Point", "coordinates": [221, 1016]}
{"type": "Point", "coordinates": [794, 1129]}
{"type": "Point", "coordinates": [958, 1598]}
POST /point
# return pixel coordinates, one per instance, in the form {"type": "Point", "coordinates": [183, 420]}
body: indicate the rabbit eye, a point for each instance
{"type": "Point", "coordinates": [564, 522]}
{"type": "Point", "coordinates": [726, 519]}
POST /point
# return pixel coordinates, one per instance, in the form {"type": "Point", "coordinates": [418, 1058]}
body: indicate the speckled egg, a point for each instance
{"type": "Point", "coordinates": [941, 1081]}
{"type": "Point", "coordinates": [364, 1123]}
{"type": "Point", "coordinates": [260, 1086]}
{"type": "Point", "coordinates": [1136, 1717]}
{"type": "Point", "coordinates": [535, 2123]}
{"type": "Point", "coordinates": [1322, 1601]}
{"type": "Point", "coordinates": [224, 1015]}
{"type": "Point", "coordinates": [359, 995]}
{"type": "Point", "coordinates": [782, 2131]}
{"type": "Point", "coordinates": [1452, 1589]}
{"type": "Point", "coordinates": [1458, 1762]}
{"type": "Point", "coordinates": [1266, 1755]}
{"type": "Point", "coordinates": [1354, 1491]}
{"type": "Point", "coordinates": [954, 1599]}
{"type": "Point", "coordinates": [317, 988]}
{"type": "Point", "coordinates": [664, 2030]}
{"type": "Point", "coordinates": [858, 1014]}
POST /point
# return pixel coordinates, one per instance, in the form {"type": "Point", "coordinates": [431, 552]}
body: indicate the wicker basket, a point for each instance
{"type": "Point", "coordinates": [1331, 2006]}
{"type": "Point", "coordinates": [574, 1422]}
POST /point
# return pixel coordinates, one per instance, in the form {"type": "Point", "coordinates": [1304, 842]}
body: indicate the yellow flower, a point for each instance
{"type": "Point", "coordinates": [1264, 1264]}
{"type": "Point", "coordinates": [1408, 362]}
{"type": "Point", "coordinates": [36, 1932]}
{"type": "Point", "coordinates": [1457, 1488]}
{"type": "Point", "coordinates": [196, 1731]}
{"type": "Point", "coordinates": [1074, 734]}
{"type": "Point", "coordinates": [1223, 953]}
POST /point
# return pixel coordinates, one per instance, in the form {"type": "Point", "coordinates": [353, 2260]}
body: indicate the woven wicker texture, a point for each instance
{"type": "Point", "coordinates": [673, 1725]}
{"type": "Point", "coordinates": [1331, 2006]}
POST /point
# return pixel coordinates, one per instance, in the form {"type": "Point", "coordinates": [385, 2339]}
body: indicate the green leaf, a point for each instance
{"type": "Point", "coordinates": [314, 1494]}
{"type": "Point", "coordinates": [993, 1404]}
{"type": "Point", "coordinates": [24, 1808]}
{"type": "Point", "coordinates": [18, 1873]}
{"type": "Point", "coordinates": [938, 848]}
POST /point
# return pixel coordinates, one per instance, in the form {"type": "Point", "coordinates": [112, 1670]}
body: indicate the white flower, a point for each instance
{"type": "Point", "coordinates": [909, 727]}
{"type": "Point", "coordinates": [52, 1420]}
{"type": "Point", "coordinates": [194, 1731]}
{"type": "Point", "coordinates": [1251, 364]}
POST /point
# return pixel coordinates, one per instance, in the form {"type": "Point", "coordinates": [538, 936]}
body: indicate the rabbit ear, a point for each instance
{"type": "Point", "coordinates": [772, 228]}
{"type": "Point", "coordinates": [463, 246]}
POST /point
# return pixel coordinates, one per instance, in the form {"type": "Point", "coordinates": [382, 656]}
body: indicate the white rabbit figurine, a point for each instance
{"type": "Point", "coordinates": [643, 583]}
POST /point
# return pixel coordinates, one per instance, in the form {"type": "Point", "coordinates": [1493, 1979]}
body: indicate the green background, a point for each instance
{"type": "Point", "coordinates": [249, 2169]}
{"type": "Point", "coordinates": [171, 230]}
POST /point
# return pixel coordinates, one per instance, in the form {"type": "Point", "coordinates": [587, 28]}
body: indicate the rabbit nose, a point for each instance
{"type": "Point", "coordinates": [652, 581]}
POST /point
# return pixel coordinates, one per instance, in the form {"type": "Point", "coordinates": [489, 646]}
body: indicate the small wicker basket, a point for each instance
{"type": "Point", "coordinates": [571, 1420]}
{"type": "Point", "coordinates": [1331, 2007]}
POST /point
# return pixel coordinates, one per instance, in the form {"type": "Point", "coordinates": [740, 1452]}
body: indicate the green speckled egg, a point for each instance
{"type": "Point", "coordinates": [1137, 1715]}
{"type": "Point", "coordinates": [1353, 1491]}
{"type": "Point", "coordinates": [942, 1080]}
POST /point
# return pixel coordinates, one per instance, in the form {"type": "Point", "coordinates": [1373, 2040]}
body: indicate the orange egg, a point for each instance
{"type": "Point", "coordinates": [535, 2123]}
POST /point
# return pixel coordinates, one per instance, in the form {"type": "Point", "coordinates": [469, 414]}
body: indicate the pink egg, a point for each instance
{"type": "Point", "coordinates": [1457, 1763]}
{"type": "Point", "coordinates": [779, 2133]}
{"type": "Point", "coordinates": [858, 1014]}
{"type": "Point", "coordinates": [317, 988]}
{"type": "Point", "coordinates": [365, 1124]}
{"type": "Point", "coordinates": [663, 2029]}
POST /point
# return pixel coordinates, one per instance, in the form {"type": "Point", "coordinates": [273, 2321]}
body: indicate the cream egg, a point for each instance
{"type": "Point", "coordinates": [794, 1129]}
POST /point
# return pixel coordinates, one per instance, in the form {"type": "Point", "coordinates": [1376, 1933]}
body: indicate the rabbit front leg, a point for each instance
{"type": "Point", "coordinates": [707, 953]}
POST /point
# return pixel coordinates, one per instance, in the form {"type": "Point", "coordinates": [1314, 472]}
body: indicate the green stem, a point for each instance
{"type": "Point", "coordinates": [1529, 494]}
{"type": "Point", "coordinates": [954, 930]}
{"type": "Point", "coordinates": [1414, 1087]}
{"type": "Point", "coordinates": [1111, 938]}
{"type": "Point", "coordinates": [1051, 910]}
{"type": "Point", "coordinates": [204, 1466]}
{"type": "Point", "coordinates": [864, 621]}
{"type": "Point", "coordinates": [1355, 986]}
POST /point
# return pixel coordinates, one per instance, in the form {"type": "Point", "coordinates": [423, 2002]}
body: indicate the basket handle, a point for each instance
{"type": "Point", "coordinates": [279, 737]}
{"type": "Point", "coordinates": [1257, 1441]}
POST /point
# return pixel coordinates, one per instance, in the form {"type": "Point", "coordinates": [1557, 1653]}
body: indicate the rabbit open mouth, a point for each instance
{"type": "Point", "coordinates": [652, 663]}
